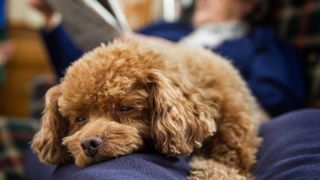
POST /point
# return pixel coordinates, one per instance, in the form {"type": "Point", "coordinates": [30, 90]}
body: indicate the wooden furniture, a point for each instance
{"type": "Point", "coordinates": [28, 61]}
{"type": "Point", "coordinates": [138, 12]}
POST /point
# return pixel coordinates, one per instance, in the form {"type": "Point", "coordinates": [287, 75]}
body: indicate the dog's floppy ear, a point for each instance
{"type": "Point", "coordinates": [178, 124]}
{"type": "Point", "coordinates": [47, 142]}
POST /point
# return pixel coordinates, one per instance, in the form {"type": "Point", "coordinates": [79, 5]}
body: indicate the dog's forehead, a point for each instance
{"type": "Point", "coordinates": [93, 89]}
{"type": "Point", "coordinates": [94, 92]}
{"type": "Point", "coordinates": [111, 62]}
{"type": "Point", "coordinates": [107, 72]}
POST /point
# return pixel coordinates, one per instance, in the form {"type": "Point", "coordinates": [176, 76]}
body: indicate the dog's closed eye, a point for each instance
{"type": "Point", "coordinates": [124, 109]}
{"type": "Point", "coordinates": [81, 119]}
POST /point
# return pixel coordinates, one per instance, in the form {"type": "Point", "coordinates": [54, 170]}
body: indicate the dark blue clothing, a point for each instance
{"type": "Point", "coordinates": [270, 67]}
{"type": "Point", "coordinates": [170, 31]}
{"type": "Point", "coordinates": [61, 49]}
{"type": "Point", "coordinates": [34, 170]}
{"type": "Point", "coordinates": [3, 14]}
{"type": "Point", "coordinates": [290, 150]}
{"type": "Point", "coordinates": [132, 167]}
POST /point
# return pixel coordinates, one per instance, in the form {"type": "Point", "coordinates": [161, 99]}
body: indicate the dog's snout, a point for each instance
{"type": "Point", "coordinates": [90, 144]}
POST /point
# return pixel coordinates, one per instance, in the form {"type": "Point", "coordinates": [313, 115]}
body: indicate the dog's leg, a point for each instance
{"type": "Point", "coordinates": [208, 169]}
{"type": "Point", "coordinates": [236, 141]}
{"type": "Point", "coordinates": [235, 144]}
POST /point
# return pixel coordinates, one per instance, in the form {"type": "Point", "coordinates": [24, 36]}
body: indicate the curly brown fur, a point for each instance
{"type": "Point", "coordinates": [184, 100]}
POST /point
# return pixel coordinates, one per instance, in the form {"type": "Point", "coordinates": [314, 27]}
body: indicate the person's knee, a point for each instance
{"type": "Point", "coordinates": [291, 120]}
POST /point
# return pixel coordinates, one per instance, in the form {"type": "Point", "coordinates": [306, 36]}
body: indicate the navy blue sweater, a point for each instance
{"type": "Point", "coordinates": [270, 67]}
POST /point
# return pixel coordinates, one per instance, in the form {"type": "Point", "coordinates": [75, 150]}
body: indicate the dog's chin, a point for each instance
{"type": "Point", "coordinates": [117, 140]}
{"type": "Point", "coordinates": [82, 160]}
{"type": "Point", "coordinates": [106, 152]}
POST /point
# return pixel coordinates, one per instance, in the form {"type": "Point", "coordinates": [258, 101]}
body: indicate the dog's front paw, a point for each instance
{"type": "Point", "coordinates": [208, 169]}
{"type": "Point", "coordinates": [210, 174]}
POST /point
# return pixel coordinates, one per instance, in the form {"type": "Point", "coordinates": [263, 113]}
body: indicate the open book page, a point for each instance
{"type": "Point", "coordinates": [90, 22]}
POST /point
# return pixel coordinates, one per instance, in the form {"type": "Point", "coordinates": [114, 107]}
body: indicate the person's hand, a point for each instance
{"type": "Point", "coordinates": [43, 7]}
{"type": "Point", "coordinates": [52, 17]}
{"type": "Point", "coordinates": [6, 51]}
{"type": "Point", "coordinates": [144, 39]}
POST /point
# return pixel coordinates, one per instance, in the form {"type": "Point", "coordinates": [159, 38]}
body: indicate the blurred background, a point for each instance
{"type": "Point", "coordinates": [27, 63]}
{"type": "Point", "coordinates": [297, 21]}
{"type": "Point", "coordinates": [26, 72]}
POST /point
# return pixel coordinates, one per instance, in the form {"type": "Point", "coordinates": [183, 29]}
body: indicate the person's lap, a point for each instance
{"type": "Point", "coordinates": [290, 150]}
{"type": "Point", "coordinates": [291, 147]}
{"type": "Point", "coordinates": [138, 166]}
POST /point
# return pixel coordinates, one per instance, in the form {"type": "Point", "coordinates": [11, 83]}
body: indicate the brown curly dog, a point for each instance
{"type": "Point", "coordinates": [183, 100]}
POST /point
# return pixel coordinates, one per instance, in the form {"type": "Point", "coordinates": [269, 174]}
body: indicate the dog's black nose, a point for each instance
{"type": "Point", "coordinates": [90, 144]}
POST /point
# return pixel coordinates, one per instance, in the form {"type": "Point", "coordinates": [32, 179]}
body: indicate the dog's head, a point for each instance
{"type": "Point", "coordinates": [114, 100]}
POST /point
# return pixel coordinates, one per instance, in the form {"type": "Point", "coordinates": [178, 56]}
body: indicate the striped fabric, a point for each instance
{"type": "Point", "coordinates": [299, 22]}
{"type": "Point", "coordinates": [15, 137]}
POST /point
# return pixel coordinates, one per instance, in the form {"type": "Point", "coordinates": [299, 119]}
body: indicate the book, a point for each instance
{"type": "Point", "coordinates": [91, 22]}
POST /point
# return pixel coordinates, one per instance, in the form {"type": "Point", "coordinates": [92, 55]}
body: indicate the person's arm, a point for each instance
{"type": "Point", "coordinates": [169, 31]}
{"type": "Point", "coordinates": [61, 49]}
{"type": "Point", "coordinates": [275, 78]}
{"type": "Point", "coordinates": [270, 68]}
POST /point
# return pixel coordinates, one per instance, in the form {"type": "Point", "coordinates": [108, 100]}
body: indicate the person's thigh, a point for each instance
{"type": "Point", "coordinates": [138, 166]}
{"type": "Point", "coordinates": [291, 147]}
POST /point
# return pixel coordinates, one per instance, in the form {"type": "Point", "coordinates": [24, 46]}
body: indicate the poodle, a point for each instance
{"type": "Point", "coordinates": [182, 100]}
